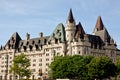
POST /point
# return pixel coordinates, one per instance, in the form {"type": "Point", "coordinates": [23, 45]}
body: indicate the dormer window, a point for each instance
{"type": "Point", "coordinates": [45, 41]}
{"type": "Point", "coordinates": [33, 42]}
{"type": "Point", "coordinates": [13, 41]}
{"type": "Point", "coordinates": [9, 41]}
{"type": "Point", "coordinates": [27, 43]}
{"type": "Point", "coordinates": [24, 48]}
{"type": "Point", "coordinates": [12, 38]}
{"type": "Point", "coordinates": [36, 46]}
{"type": "Point", "coordinates": [30, 48]}
{"type": "Point", "coordinates": [12, 46]}
{"type": "Point", "coordinates": [39, 41]}
{"type": "Point", "coordinates": [58, 31]}
{"type": "Point", "coordinates": [8, 46]}
{"type": "Point", "coordinates": [60, 34]}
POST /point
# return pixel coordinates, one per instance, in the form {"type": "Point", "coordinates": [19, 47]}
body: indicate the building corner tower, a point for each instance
{"type": "Point", "coordinates": [70, 31]}
{"type": "Point", "coordinates": [70, 27]}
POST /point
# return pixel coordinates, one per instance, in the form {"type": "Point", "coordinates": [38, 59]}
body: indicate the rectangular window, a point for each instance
{"type": "Point", "coordinates": [40, 60]}
{"type": "Point", "coordinates": [2, 70]}
{"type": "Point", "coordinates": [40, 64]}
{"type": "Point", "coordinates": [47, 64]}
{"type": "Point", "coordinates": [46, 69]}
{"type": "Point", "coordinates": [33, 70]}
{"type": "Point", "coordinates": [34, 64]}
{"type": "Point", "coordinates": [47, 54]}
{"type": "Point", "coordinates": [47, 59]}
{"type": "Point", "coordinates": [40, 55]}
{"type": "Point", "coordinates": [34, 60]}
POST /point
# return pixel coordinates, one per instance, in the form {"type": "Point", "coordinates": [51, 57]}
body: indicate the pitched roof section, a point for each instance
{"type": "Point", "coordinates": [58, 34]}
{"type": "Point", "coordinates": [99, 24]}
{"type": "Point", "coordinates": [107, 36]}
{"type": "Point", "coordinates": [70, 16]}
{"type": "Point", "coordinates": [79, 33]}
{"type": "Point", "coordinates": [96, 41]}
{"type": "Point", "coordinates": [13, 42]}
{"type": "Point", "coordinates": [36, 43]}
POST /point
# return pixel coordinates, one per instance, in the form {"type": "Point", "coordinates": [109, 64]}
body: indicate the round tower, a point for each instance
{"type": "Point", "coordinates": [70, 27]}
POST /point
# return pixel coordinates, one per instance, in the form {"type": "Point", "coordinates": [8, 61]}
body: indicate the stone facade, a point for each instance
{"type": "Point", "coordinates": [68, 40]}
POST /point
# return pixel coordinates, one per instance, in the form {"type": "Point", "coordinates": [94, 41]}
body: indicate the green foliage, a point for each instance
{"type": "Point", "coordinates": [20, 66]}
{"type": "Point", "coordinates": [101, 68]}
{"type": "Point", "coordinates": [82, 67]}
{"type": "Point", "coordinates": [70, 67]}
{"type": "Point", "coordinates": [118, 67]}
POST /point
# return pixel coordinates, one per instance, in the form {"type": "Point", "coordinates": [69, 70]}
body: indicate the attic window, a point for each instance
{"type": "Point", "coordinates": [24, 48]}
{"type": "Point", "coordinates": [60, 34]}
{"type": "Point", "coordinates": [53, 34]}
{"type": "Point", "coordinates": [36, 46]}
{"type": "Point", "coordinates": [8, 46]}
{"type": "Point", "coordinates": [13, 41]}
{"type": "Point", "coordinates": [12, 46]}
{"type": "Point", "coordinates": [58, 31]}
{"type": "Point", "coordinates": [27, 43]}
{"type": "Point", "coordinates": [9, 41]}
{"type": "Point", "coordinates": [30, 48]}
{"type": "Point", "coordinates": [45, 41]}
{"type": "Point", "coordinates": [12, 38]}
{"type": "Point", "coordinates": [33, 42]}
{"type": "Point", "coordinates": [38, 41]}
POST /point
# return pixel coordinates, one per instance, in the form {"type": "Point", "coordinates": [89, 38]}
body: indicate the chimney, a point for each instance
{"type": "Point", "coordinates": [41, 34]}
{"type": "Point", "coordinates": [27, 36]}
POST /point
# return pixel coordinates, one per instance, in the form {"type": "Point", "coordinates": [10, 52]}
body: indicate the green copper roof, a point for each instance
{"type": "Point", "coordinates": [58, 33]}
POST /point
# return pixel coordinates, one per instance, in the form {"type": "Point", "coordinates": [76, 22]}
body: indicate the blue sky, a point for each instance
{"type": "Point", "coordinates": [35, 16]}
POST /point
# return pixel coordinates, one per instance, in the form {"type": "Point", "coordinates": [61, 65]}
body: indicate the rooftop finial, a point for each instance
{"type": "Point", "coordinates": [70, 16]}
{"type": "Point", "coordinates": [99, 24]}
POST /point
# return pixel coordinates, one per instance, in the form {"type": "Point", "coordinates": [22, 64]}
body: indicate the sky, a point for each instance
{"type": "Point", "coordinates": [35, 16]}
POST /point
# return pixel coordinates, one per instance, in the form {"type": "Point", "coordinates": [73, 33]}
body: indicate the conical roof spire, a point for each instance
{"type": "Point", "coordinates": [70, 16]}
{"type": "Point", "coordinates": [99, 24]}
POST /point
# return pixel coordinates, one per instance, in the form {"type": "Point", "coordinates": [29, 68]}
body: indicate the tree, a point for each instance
{"type": "Point", "coordinates": [59, 67]}
{"type": "Point", "coordinates": [101, 68]}
{"type": "Point", "coordinates": [20, 66]}
{"type": "Point", "coordinates": [70, 67]}
{"type": "Point", "coordinates": [118, 67]}
{"type": "Point", "coordinates": [82, 67]}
